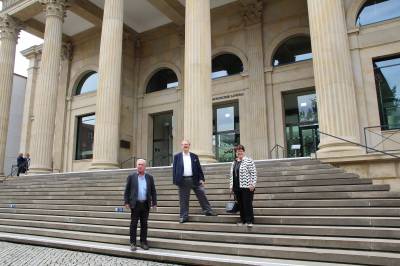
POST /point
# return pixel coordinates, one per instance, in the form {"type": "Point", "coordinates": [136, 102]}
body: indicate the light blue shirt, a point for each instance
{"type": "Point", "coordinates": [142, 188]}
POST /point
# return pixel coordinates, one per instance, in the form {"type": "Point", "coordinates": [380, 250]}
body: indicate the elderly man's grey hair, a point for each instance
{"type": "Point", "coordinates": [141, 160]}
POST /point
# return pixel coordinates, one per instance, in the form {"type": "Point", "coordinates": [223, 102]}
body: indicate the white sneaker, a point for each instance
{"type": "Point", "coordinates": [249, 225]}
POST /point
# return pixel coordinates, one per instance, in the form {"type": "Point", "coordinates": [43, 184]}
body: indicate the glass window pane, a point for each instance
{"type": "Point", "coordinates": [374, 11]}
{"type": "Point", "coordinates": [161, 80]}
{"type": "Point", "coordinates": [88, 83]}
{"type": "Point", "coordinates": [294, 50]}
{"type": "Point", "coordinates": [226, 65]}
{"type": "Point", "coordinates": [387, 79]}
{"type": "Point", "coordinates": [307, 105]}
{"type": "Point", "coordinates": [85, 137]}
{"type": "Point", "coordinates": [225, 119]}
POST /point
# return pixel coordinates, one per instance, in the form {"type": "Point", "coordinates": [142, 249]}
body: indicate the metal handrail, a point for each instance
{"type": "Point", "coordinates": [276, 149]}
{"type": "Point", "coordinates": [14, 170]}
{"type": "Point", "coordinates": [390, 133]}
{"type": "Point", "coordinates": [355, 143]}
{"type": "Point", "coordinates": [132, 158]}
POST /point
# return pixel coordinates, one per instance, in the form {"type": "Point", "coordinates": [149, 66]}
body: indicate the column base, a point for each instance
{"type": "Point", "coordinates": [339, 149]}
{"type": "Point", "coordinates": [39, 170]}
{"type": "Point", "coordinates": [102, 165]}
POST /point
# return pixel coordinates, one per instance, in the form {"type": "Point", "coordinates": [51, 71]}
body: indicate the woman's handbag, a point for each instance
{"type": "Point", "coordinates": [231, 206]}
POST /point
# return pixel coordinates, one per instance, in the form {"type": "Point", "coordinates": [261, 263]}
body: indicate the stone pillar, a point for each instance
{"type": "Point", "coordinates": [9, 30]}
{"type": "Point", "coordinates": [197, 120]}
{"type": "Point", "coordinates": [47, 87]}
{"type": "Point", "coordinates": [33, 54]}
{"type": "Point", "coordinates": [333, 74]}
{"type": "Point", "coordinates": [257, 141]}
{"type": "Point", "coordinates": [106, 136]}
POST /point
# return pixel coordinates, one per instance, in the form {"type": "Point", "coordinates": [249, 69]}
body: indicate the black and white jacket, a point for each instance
{"type": "Point", "coordinates": [247, 173]}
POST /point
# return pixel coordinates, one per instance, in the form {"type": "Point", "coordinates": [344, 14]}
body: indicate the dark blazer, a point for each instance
{"type": "Point", "coordinates": [132, 187]}
{"type": "Point", "coordinates": [178, 169]}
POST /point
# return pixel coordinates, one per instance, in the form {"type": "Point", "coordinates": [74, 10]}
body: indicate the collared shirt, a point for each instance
{"type": "Point", "coordinates": [142, 188]}
{"type": "Point", "coordinates": [187, 165]}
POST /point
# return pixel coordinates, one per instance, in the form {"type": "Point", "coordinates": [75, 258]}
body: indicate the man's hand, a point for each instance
{"type": "Point", "coordinates": [202, 183]}
{"type": "Point", "coordinates": [251, 187]}
{"type": "Point", "coordinates": [154, 208]}
{"type": "Point", "coordinates": [127, 206]}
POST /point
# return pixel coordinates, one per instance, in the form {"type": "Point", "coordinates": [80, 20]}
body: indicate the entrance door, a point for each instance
{"type": "Point", "coordinates": [309, 140]}
{"type": "Point", "coordinates": [225, 131]}
{"type": "Point", "coordinates": [162, 139]}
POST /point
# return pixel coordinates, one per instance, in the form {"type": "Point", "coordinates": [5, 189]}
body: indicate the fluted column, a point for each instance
{"type": "Point", "coordinates": [9, 30]}
{"type": "Point", "coordinates": [46, 90]}
{"type": "Point", "coordinates": [337, 112]}
{"type": "Point", "coordinates": [257, 141]}
{"type": "Point", "coordinates": [106, 134]}
{"type": "Point", "coordinates": [197, 91]}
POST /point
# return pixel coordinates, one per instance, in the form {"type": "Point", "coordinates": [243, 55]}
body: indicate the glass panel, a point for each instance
{"type": "Point", "coordinates": [226, 131]}
{"type": "Point", "coordinates": [225, 119]}
{"type": "Point", "coordinates": [294, 50]}
{"type": "Point", "coordinates": [85, 137]}
{"type": "Point", "coordinates": [292, 141]}
{"type": "Point", "coordinates": [88, 83]}
{"type": "Point", "coordinates": [163, 79]}
{"type": "Point", "coordinates": [374, 11]}
{"type": "Point", "coordinates": [309, 139]}
{"type": "Point", "coordinates": [307, 105]}
{"type": "Point", "coordinates": [226, 65]}
{"type": "Point", "coordinates": [162, 139]}
{"type": "Point", "coordinates": [387, 78]}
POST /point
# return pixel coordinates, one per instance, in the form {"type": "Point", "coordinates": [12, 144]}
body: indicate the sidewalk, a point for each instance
{"type": "Point", "coordinates": [17, 255]}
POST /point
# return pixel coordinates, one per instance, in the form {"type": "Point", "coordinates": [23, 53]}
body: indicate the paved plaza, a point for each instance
{"type": "Point", "coordinates": [27, 255]}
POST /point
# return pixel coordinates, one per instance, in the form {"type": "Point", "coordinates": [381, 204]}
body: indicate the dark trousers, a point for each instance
{"type": "Point", "coordinates": [140, 212]}
{"type": "Point", "coordinates": [184, 197]}
{"type": "Point", "coordinates": [244, 198]}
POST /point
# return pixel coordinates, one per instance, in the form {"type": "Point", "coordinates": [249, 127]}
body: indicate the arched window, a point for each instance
{"type": "Point", "coordinates": [226, 65]}
{"type": "Point", "coordinates": [163, 79]}
{"type": "Point", "coordinates": [374, 11]}
{"type": "Point", "coordinates": [293, 50]}
{"type": "Point", "coordinates": [88, 83]}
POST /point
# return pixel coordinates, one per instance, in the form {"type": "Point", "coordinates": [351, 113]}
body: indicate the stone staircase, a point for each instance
{"type": "Point", "coordinates": [305, 211]}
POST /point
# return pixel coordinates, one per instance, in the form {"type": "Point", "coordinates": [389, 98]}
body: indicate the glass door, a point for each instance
{"type": "Point", "coordinates": [225, 131]}
{"type": "Point", "coordinates": [162, 139]}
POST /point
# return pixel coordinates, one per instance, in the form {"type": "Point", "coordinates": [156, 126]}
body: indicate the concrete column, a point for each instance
{"type": "Point", "coordinates": [257, 141]}
{"type": "Point", "coordinates": [197, 91]}
{"type": "Point", "coordinates": [9, 30]}
{"type": "Point", "coordinates": [337, 112]}
{"type": "Point", "coordinates": [33, 54]}
{"type": "Point", "coordinates": [106, 134]}
{"type": "Point", "coordinates": [47, 88]}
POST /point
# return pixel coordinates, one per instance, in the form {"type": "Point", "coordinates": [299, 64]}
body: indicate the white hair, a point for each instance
{"type": "Point", "coordinates": [141, 160]}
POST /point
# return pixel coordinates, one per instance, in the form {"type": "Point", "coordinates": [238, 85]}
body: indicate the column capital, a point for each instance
{"type": "Point", "coordinates": [252, 12]}
{"type": "Point", "coordinates": [56, 8]}
{"type": "Point", "coordinates": [9, 27]}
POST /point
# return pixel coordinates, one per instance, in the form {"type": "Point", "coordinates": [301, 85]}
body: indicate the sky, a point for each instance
{"type": "Point", "coordinates": [25, 41]}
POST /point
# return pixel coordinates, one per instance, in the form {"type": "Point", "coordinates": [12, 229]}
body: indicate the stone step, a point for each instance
{"type": "Point", "coordinates": [366, 257]}
{"type": "Point", "coordinates": [163, 255]}
{"type": "Point", "coordinates": [218, 224]}
{"type": "Point", "coordinates": [273, 176]}
{"type": "Point", "coordinates": [218, 195]}
{"type": "Point", "coordinates": [370, 244]}
{"type": "Point", "coordinates": [221, 203]}
{"type": "Point", "coordinates": [222, 218]}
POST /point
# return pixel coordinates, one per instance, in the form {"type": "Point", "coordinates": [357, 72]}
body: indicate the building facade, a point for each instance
{"type": "Point", "coordinates": [116, 80]}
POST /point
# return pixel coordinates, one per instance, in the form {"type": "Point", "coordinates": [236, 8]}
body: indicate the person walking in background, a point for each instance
{"type": "Point", "coordinates": [140, 194]}
{"type": "Point", "coordinates": [187, 175]}
{"type": "Point", "coordinates": [27, 162]}
{"type": "Point", "coordinates": [243, 179]}
{"type": "Point", "coordinates": [21, 162]}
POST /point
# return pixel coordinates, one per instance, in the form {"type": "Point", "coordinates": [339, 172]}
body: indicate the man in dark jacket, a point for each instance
{"type": "Point", "coordinates": [21, 163]}
{"type": "Point", "coordinates": [187, 175]}
{"type": "Point", "coordinates": [140, 194]}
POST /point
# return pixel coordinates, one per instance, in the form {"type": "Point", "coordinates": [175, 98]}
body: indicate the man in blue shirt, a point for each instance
{"type": "Point", "coordinates": [140, 194]}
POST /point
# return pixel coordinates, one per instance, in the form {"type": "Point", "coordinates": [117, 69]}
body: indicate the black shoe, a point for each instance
{"type": "Point", "coordinates": [183, 220]}
{"type": "Point", "coordinates": [210, 214]}
{"type": "Point", "coordinates": [133, 247]}
{"type": "Point", "coordinates": [144, 246]}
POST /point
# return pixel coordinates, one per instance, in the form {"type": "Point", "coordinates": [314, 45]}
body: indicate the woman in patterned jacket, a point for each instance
{"type": "Point", "coordinates": [243, 178]}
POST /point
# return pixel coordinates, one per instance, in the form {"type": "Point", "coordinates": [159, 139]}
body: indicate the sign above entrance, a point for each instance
{"type": "Point", "coordinates": [229, 96]}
